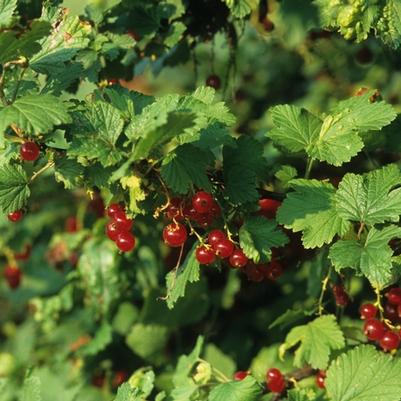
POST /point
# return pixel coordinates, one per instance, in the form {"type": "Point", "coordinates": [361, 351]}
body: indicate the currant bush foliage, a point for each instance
{"type": "Point", "coordinates": [302, 173]}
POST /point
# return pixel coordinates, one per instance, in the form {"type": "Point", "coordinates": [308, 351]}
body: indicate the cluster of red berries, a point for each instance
{"type": "Point", "coordinates": [276, 382]}
{"type": "Point", "coordinates": [378, 330]}
{"type": "Point", "coordinates": [118, 229]}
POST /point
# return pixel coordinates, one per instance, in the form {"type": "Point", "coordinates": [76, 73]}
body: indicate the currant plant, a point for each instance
{"type": "Point", "coordinates": [200, 201]}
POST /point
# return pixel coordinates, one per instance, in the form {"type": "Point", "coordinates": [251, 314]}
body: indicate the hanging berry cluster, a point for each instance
{"type": "Point", "coordinates": [383, 330]}
{"type": "Point", "coordinates": [118, 229]}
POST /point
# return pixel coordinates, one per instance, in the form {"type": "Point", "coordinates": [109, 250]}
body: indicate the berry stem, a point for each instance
{"type": "Point", "coordinates": [42, 170]}
{"type": "Point", "coordinates": [360, 231]}
{"type": "Point", "coordinates": [309, 165]}
{"type": "Point", "coordinates": [322, 292]}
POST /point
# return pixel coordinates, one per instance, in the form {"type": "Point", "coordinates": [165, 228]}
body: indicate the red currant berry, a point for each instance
{"type": "Point", "coordinates": [119, 378]}
{"type": "Point", "coordinates": [174, 209]}
{"type": "Point", "coordinates": [71, 225]}
{"type": "Point", "coordinates": [268, 207]}
{"type": "Point", "coordinates": [15, 216]}
{"type": "Point", "coordinates": [394, 296]}
{"type": "Point", "coordinates": [390, 312]}
{"type": "Point", "coordinates": [96, 205]}
{"type": "Point", "coordinates": [113, 208]}
{"type": "Point", "coordinates": [240, 375]}
{"type": "Point", "coordinates": [112, 81]}
{"type": "Point", "coordinates": [224, 248]}
{"type": "Point", "coordinates": [254, 272]}
{"type": "Point", "coordinates": [215, 210]}
{"type": "Point", "coordinates": [341, 297]}
{"type": "Point", "coordinates": [98, 380]}
{"type": "Point", "coordinates": [13, 275]}
{"type": "Point", "coordinates": [112, 230]}
{"type": "Point", "coordinates": [213, 81]}
{"type": "Point", "coordinates": [274, 374]}
{"type": "Point", "coordinates": [29, 151]}
{"type": "Point", "coordinates": [368, 311]}
{"type": "Point", "coordinates": [274, 270]}
{"type": "Point", "coordinates": [320, 377]}
{"type": "Point", "coordinates": [374, 329]}
{"type": "Point", "coordinates": [204, 220]}
{"type": "Point", "coordinates": [202, 202]}
{"type": "Point", "coordinates": [238, 258]}
{"type": "Point", "coordinates": [204, 255]}
{"type": "Point", "coordinates": [175, 235]}
{"type": "Point", "coordinates": [122, 221]}
{"type": "Point", "coordinates": [276, 386]}
{"type": "Point", "coordinates": [389, 341]}
{"type": "Point", "coordinates": [125, 241]}
{"type": "Point", "coordinates": [215, 236]}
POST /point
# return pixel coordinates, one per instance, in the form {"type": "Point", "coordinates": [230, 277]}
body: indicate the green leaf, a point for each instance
{"type": "Point", "coordinates": [35, 114]}
{"type": "Point", "coordinates": [177, 281]}
{"type": "Point", "coordinates": [142, 381]}
{"type": "Point", "coordinates": [97, 132]}
{"type": "Point", "coordinates": [69, 172]}
{"type": "Point", "coordinates": [7, 10]}
{"type": "Point", "coordinates": [148, 340]}
{"type": "Point", "coordinates": [317, 340]}
{"type": "Point", "coordinates": [125, 393]}
{"type": "Point", "coordinates": [239, 8]}
{"type": "Point", "coordinates": [126, 315]}
{"type": "Point", "coordinates": [62, 44]}
{"type": "Point", "coordinates": [310, 209]}
{"type": "Point", "coordinates": [244, 390]}
{"type": "Point", "coordinates": [372, 259]}
{"type": "Point", "coordinates": [219, 360]}
{"type": "Point", "coordinates": [286, 174]}
{"type": "Point", "coordinates": [364, 374]}
{"type": "Point", "coordinates": [31, 389]}
{"type": "Point", "coordinates": [99, 342]}
{"type": "Point", "coordinates": [185, 168]}
{"type": "Point", "coordinates": [14, 189]}
{"type": "Point", "coordinates": [389, 27]}
{"type": "Point", "coordinates": [336, 139]}
{"type": "Point", "coordinates": [258, 235]}
{"type": "Point", "coordinates": [369, 198]}
{"type": "Point", "coordinates": [242, 165]}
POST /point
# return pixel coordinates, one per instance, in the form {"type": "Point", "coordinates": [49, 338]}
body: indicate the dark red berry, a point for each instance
{"type": "Point", "coordinates": [98, 380]}
{"type": "Point", "coordinates": [254, 272]}
{"type": "Point", "coordinates": [224, 248]}
{"type": "Point", "coordinates": [175, 209]}
{"type": "Point", "coordinates": [112, 81]}
{"type": "Point", "coordinates": [268, 207]}
{"type": "Point", "coordinates": [268, 25]}
{"type": "Point", "coordinates": [71, 224]}
{"type": "Point", "coordinates": [202, 202]}
{"type": "Point", "coordinates": [374, 329]}
{"type": "Point", "coordinates": [215, 210]}
{"type": "Point", "coordinates": [215, 236]}
{"type": "Point", "coordinates": [368, 311]}
{"type": "Point", "coordinates": [205, 255]}
{"type": "Point", "coordinates": [273, 270]}
{"type": "Point", "coordinates": [13, 275]}
{"type": "Point", "coordinates": [122, 221]}
{"type": "Point", "coordinates": [320, 378]}
{"type": "Point", "coordinates": [394, 296]}
{"type": "Point", "coordinates": [15, 216]}
{"type": "Point", "coordinates": [238, 258]}
{"type": "Point", "coordinates": [119, 378]}
{"type": "Point", "coordinates": [125, 241]}
{"type": "Point", "coordinates": [113, 208]}
{"type": "Point", "coordinates": [204, 220]}
{"type": "Point", "coordinates": [274, 374]}
{"type": "Point", "coordinates": [96, 205]}
{"type": "Point", "coordinates": [175, 235]}
{"type": "Point", "coordinates": [240, 375]}
{"type": "Point", "coordinates": [390, 312]}
{"type": "Point", "coordinates": [389, 341]}
{"type": "Point", "coordinates": [341, 297]}
{"type": "Point", "coordinates": [112, 230]}
{"type": "Point", "coordinates": [29, 151]}
{"type": "Point", "coordinates": [213, 81]}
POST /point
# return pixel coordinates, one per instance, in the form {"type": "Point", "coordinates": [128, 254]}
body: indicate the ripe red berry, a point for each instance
{"type": "Point", "coordinates": [390, 312]}
{"type": "Point", "coordinates": [215, 210]}
{"type": "Point", "coordinates": [175, 235]}
{"type": "Point", "coordinates": [122, 221]}
{"type": "Point", "coordinates": [394, 296]}
{"type": "Point", "coordinates": [213, 81]}
{"type": "Point", "coordinates": [368, 311]}
{"type": "Point", "coordinates": [113, 208]}
{"type": "Point", "coordinates": [274, 374]}
{"type": "Point", "coordinates": [13, 275]}
{"type": "Point", "coordinates": [389, 341]}
{"type": "Point", "coordinates": [273, 270]}
{"type": "Point", "coordinates": [240, 375]}
{"type": "Point", "coordinates": [174, 209]}
{"type": "Point", "coordinates": [15, 216]}
{"type": "Point", "coordinates": [224, 248]}
{"type": "Point", "coordinates": [320, 377]}
{"type": "Point", "coordinates": [254, 272]}
{"type": "Point", "coordinates": [119, 378]}
{"type": "Point", "coordinates": [215, 236]}
{"type": "Point", "coordinates": [202, 202]}
{"type": "Point", "coordinates": [29, 151]}
{"type": "Point", "coordinates": [204, 255]}
{"type": "Point", "coordinates": [341, 297]}
{"type": "Point", "coordinates": [268, 207]}
{"type": "Point", "coordinates": [112, 230]}
{"type": "Point", "coordinates": [71, 224]}
{"type": "Point", "coordinates": [374, 329]}
{"type": "Point", "coordinates": [238, 258]}
{"type": "Point", "coordinates": [275, 381]}
{"type": "Point", "coordinates": [125, 241]}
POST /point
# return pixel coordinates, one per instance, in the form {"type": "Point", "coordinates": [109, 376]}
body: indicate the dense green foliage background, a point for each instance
{"type": "Point", "coordinates": [114, 92]}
